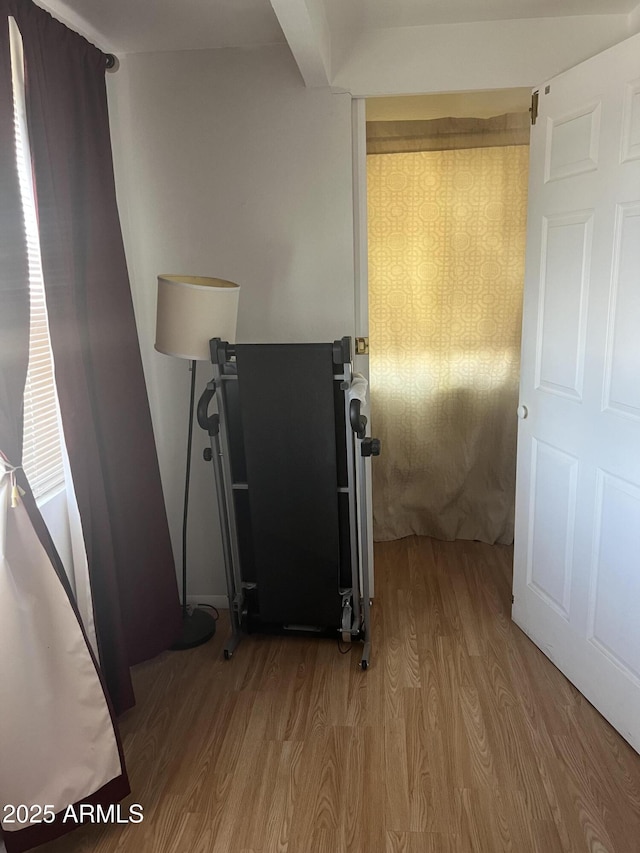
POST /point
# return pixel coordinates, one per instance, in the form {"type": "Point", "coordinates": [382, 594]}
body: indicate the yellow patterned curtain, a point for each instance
{"type": "Point", "coordinates": [446, 271]}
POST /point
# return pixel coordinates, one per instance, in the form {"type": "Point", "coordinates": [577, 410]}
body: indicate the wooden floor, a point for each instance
{"type": "Point", "coordinates": [460, 737]}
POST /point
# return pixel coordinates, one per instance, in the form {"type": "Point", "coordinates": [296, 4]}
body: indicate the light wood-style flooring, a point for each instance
{"type": "Point", "coordinates": [460, 738]}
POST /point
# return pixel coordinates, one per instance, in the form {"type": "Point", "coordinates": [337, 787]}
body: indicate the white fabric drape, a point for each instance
{"type": "Point", "coordinates": [57, 741]}
{"type": "Point", "coordinates": [446, 271]}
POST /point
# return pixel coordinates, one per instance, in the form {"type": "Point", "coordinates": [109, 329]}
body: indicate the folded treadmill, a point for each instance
{"type": "Point", "coordinates": [289, 449]}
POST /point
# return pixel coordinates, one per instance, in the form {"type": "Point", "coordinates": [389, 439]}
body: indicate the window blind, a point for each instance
{"type": "Point", "coordinates": [42, 443]}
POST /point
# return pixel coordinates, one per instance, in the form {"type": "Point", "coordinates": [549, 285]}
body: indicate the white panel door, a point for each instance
{"type": "Point", "coordinates": [577, 545]}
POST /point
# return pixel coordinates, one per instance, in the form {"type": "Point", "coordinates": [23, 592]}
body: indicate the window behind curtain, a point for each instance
{"type": "Point", "coordinates": [42, 445]}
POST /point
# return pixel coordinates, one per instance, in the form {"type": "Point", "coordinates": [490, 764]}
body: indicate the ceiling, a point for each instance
{"type": "Point", "coordinates": [141, 26]}
{"type": "Point", "coordinates": [131, 26]}
{"type": "Point", "coordinates": [412, 13]}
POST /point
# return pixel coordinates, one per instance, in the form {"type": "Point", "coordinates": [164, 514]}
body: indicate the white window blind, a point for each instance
{"type": "Point", "coordinates": [42, 444]}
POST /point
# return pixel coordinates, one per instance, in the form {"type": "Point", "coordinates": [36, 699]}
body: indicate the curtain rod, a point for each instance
{"type": "Point", "coordinates": [110, 61]}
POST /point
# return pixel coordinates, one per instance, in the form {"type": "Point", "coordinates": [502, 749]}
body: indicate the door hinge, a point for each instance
{"type": "Point", "coordinates": [533, 109]}
{"type": "Point", "coordinates": [513, 598]}
{"type": "Point", "coordinates": [362, 346]}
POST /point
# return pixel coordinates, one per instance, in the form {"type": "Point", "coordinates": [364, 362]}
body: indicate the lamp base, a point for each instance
{"type": "Point", "coordinates": [198, 627]}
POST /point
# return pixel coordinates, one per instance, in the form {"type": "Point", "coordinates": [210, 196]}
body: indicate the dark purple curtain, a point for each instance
{"type": "Point", "coordinates": [98, 369]}
{"type": "Point", "coordinates": [14, 354]}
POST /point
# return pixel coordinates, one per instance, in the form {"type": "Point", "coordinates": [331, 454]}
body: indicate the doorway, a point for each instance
{"type": "Point", "coordinates": [446, 205]}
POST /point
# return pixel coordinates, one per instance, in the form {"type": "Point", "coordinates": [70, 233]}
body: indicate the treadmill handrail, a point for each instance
{"type": "Point", "coordinates": [209, 423]}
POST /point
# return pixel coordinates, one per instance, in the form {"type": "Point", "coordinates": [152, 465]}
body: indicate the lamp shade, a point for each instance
{"type": "Point", "coordinates": [191, 311]}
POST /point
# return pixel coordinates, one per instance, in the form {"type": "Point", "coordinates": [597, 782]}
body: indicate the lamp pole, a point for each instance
{"type": "Point", "coordinates": [197, 627]}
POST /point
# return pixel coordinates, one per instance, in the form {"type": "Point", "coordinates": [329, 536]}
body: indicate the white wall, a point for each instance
{"type": "Point", "coordinates": [227, 166]}
{"type": "Point", "coordinates": [484, 55]}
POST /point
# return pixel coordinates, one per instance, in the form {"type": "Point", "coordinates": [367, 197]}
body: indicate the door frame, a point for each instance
{"type": "Point", "coordinates": [361, 266]}
{"type": "Point", "coordinates": [361, 280]}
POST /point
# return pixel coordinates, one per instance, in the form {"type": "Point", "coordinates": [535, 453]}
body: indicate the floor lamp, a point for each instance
{"type": "Point", "coordinates": [191, 311]}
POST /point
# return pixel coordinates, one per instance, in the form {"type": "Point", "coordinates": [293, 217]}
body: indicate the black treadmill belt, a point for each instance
{"type": "Point", "coordinates": [287, 401]}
